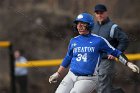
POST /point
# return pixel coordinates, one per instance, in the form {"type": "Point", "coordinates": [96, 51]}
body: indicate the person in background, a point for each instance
{"type": "Point", "coordinates": [21, 72]}
{"type": "Point", "coordinates": [83, 57]}
{"type": "Point", "coordinates": [117, 38]}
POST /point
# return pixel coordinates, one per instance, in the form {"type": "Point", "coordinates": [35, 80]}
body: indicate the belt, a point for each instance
{"type": "Point", "coordinates": [77, 74]}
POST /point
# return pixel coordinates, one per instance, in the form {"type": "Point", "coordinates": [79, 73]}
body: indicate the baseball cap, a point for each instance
{"type": "Point", "coordinates": [100, 7]}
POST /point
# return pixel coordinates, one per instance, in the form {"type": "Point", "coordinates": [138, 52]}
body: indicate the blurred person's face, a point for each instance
{"type": "Point", "coordinates": [82, 28]}
{"type": "Point", "coordinates": [101, 16]}
{"type": "Point", "coordinates": [16, 54]}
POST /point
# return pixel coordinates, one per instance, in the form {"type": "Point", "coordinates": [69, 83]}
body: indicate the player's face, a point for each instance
{"type": "Point", "coordinates": [82, 28]}
{"type": "Point", "coordinates": [101, 16]}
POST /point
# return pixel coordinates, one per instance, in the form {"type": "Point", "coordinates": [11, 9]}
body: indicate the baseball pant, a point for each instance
{"type": "Point", "coordinates": [77, 84]}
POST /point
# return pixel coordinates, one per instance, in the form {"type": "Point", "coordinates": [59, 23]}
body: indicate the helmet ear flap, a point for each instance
{"type": "Point", "coordinates": [75, 27]}
{"type": "Point", "coordinates": [89, 28]}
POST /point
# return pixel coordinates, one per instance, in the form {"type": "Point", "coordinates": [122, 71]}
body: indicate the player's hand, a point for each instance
{"type": "Point", "coordinates": [133, 67]}
{"type": "Point", "coordinates": [53, 78]}
{"type": "Point", "coordinates": [111, 57]}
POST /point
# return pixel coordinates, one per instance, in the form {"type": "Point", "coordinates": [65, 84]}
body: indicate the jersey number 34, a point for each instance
{"type": "Point", "coordinates": [82, 57]}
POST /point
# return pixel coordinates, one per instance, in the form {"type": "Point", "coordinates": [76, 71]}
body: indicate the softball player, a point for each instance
{"type": "Point", "coordinates": [83, 58]}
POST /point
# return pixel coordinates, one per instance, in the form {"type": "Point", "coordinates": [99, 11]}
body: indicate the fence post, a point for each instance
{"type": "Point", "coordinates": [12, 70]}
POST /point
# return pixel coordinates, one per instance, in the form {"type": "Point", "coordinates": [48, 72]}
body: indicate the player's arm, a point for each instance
{"type": "Point", "coordinates": [106, 47]}
{"type": "Point", "coordinates": [66, 62]}
{"type": "Point", "coordinates": [53, 78]}
{"type": "Point", "coordinates": [123, 59]}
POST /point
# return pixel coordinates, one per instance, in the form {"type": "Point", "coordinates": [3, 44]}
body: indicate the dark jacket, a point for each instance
{"type": "Point", "coordinates": [119, 40]}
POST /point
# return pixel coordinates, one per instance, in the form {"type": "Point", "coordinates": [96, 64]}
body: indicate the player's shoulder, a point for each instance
{"type": "Point", "coordinates": [97, 37]}
{"type": "Point", "coordinates": [75, 38]}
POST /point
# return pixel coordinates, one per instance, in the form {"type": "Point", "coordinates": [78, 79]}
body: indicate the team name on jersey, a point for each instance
{"type": "Point", "coordinates": [83, 49]}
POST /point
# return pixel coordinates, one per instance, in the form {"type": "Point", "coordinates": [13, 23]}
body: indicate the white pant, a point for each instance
{"type": "Point", "coordinates": [77, 84]}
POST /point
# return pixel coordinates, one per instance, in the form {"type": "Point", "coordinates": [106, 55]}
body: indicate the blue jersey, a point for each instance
{"type": "Point", "coordinates": [84, 53]}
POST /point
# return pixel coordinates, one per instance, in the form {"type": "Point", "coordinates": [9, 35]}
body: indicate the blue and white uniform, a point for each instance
{"type": "Point", "coordinates": [83, 58]}
{"type": "Point", "coordinates": [84, 53]}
